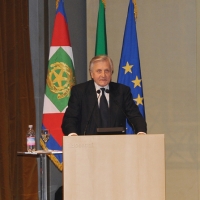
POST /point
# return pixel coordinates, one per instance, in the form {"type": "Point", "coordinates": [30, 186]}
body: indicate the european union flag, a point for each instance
{"type": "Point", "coordinates": [129, 68]}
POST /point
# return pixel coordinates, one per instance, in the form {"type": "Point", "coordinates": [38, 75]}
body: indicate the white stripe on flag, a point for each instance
{"type": "Point", "coordinates": [67, 49]}
{"type": "Point", "coordinates": [49, 107]}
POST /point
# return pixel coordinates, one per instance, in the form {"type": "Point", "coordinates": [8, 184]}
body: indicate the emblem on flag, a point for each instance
{"type": "Point", "coordinates": [60, 79]}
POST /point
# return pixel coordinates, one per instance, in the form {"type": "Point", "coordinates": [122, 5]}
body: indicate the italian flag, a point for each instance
{"type": "Point", "coordinates": [59, 81]}
{"type": "Point", "coordinates": [101, 38]}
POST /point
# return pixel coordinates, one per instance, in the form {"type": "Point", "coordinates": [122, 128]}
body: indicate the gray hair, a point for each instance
{"type": "Point", "coordinates": [101, 58]}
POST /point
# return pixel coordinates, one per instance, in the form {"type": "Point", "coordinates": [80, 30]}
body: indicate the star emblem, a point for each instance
{"type": "Point", "coordinates": [137, 82]}
{"type": "Point", "coordinates": [139, 100]}
{"type": "Point", "coordinates": [59, 78]}
{"type": "Point", "coordinates": [127, 68]}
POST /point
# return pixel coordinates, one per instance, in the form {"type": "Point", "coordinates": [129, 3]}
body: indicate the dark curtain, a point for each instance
{"type": "Point", "coordinates": [19, 178]}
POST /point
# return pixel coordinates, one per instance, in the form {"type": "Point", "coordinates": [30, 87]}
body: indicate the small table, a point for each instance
{"type": "Point", "coordinates": [43, 168]}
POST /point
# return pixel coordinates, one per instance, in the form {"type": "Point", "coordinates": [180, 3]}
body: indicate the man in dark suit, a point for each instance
{"type": "Point", "coordinates": [84, 113]}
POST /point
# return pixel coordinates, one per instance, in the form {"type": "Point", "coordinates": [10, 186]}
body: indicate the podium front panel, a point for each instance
{"type": "Point", "coordinates": [114, 167]}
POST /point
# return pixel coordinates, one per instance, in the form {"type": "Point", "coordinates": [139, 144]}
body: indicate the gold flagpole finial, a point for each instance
{"type": "Point", "coordinates": [135, 9]}
{"type": "Point", "coordinates": [57, 2]}
{"type": "Point", "coordinates": [104, 2]}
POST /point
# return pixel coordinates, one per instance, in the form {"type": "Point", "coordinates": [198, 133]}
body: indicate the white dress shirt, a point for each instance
{"type": "Point", "coordinates": [99, 95]}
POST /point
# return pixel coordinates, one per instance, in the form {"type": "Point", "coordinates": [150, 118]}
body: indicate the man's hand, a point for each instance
{"type": "Point", "coordinates": [141, 133]}
{"type": "Point", "coordinates": [72, 134]}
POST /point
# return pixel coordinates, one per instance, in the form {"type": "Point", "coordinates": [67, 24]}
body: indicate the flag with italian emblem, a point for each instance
{"type": "Point", "coordinates": [59, 81]}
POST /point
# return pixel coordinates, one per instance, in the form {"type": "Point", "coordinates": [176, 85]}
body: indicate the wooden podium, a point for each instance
{"type": "Point", "coordinates": [114, 167]}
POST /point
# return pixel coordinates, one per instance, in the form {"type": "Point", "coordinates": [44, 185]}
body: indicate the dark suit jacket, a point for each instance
{"type": "Point", "coordinates": [82, 114]}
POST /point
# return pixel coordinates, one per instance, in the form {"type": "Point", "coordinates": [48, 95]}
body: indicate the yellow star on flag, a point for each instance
{"type": "Point", "coordinates": [138, 100]}
{"type": "Point", "coordinates": [127, 68]}
{"type": "Point", "coordinates": [59, 78]}
{"type": "Point", "coordinates": [137, 82]}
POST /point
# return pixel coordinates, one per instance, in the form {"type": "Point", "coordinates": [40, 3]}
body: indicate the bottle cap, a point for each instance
{"type": "Point", "coordinates": [30, 126]}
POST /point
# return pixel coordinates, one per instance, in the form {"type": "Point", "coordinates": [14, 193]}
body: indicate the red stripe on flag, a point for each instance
{"type": "Point", "coordinates": [60, 32]}
{"type": "Point", "coordinates": [53, 121]}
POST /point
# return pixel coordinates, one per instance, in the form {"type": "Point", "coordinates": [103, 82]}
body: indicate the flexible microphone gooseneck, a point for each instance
{"type": "Point", "coordinates": [98, 92]}
{"type": "Point", "coordinates": [108, 91]}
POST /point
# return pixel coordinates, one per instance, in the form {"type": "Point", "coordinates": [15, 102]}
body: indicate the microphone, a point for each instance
{"type": "Point", "coordinates": [108, 91]}
{"type": "Point", "coordinates": [98, 92]}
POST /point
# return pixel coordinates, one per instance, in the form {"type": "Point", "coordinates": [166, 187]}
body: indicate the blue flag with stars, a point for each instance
{"type": "Point", "coordinates": [129, 68]}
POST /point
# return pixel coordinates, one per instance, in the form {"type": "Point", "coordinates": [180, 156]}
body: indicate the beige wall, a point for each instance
{"type": "Point", "coordinates": [198, 83]}
{"type": "Point", "coordinates": [169, 44]}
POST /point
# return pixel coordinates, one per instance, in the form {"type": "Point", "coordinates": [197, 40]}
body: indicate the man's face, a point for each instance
{"type": "Point", "coordinates": [101, 73]}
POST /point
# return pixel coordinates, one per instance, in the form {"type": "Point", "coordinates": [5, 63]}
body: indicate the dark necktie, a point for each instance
{"type": "Point", "coordinates": [104, 109]}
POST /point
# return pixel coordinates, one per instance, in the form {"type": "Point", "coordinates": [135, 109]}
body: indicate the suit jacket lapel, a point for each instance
{"type": "Point", "coordinates": [92, 100]}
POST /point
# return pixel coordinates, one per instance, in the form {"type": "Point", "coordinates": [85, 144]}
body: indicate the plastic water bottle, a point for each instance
{"type": "Point", "coordinates": [30, 139]}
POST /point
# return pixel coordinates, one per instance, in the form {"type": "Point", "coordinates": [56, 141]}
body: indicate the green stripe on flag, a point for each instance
{"type": "Point", "coordinates": [60, 79]}
{"type": "Point", "coordinates": [101, 38]}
